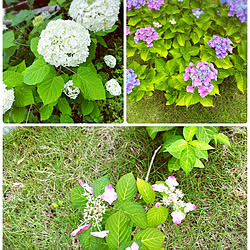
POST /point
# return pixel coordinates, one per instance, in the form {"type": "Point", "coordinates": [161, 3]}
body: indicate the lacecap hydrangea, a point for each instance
{"type": "Point", "coordinates": [131, 80]}
{"type": "Point", "coordinates": [173, 196]}
{"type": "Point", "coordinates": [95, 209]}
{"type": "Point", "coordinates": [95, 15]}
{"type": "Point", "coordinates": [113, 87]}
{"type": "Point", "coordinates": [201, 76]}
{"type": "Point", "coordinates": [221, 45]}
{"type": "Point", "coordinates": [8, 98]}
{"type": "Point", "coordinates": [64, 42]}
{"type": "Point", "coordinates": [147, 34]}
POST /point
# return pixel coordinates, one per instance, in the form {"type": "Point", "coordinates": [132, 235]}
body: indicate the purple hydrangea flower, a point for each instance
{"type": "Point", "coordinates": [135, 3]}
{"type": "Point", "coordinates": [155, 4]}
{"type": "Point", "coordinates": [128, 32]}
{"type": "Point", "coordinates": [221, 45]}
{"type": "Point", "coordinates": [131, 81]}
{"type": "Point", "coordinates": [197, 12]}
{"type": "Point", "coordinates": [147, 34]}
{"type": "Point", "coordinates": [238, 8]}
{"type": "Point", "coordinates": [201, 76]}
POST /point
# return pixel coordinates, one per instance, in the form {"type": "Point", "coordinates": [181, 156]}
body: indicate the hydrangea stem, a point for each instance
{"type": "Point", "coordinates": [151, 162]}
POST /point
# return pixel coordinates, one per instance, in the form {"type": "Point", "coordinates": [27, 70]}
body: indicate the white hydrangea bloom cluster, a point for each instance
{"type": "Point", "coordinates": [8, 98]}
{"type": "Point", "coordinates": [70, 90]}
{"type": "Point", "coordinates": [94, 210]}
{"type": "Point", "coordinates": [110, 61]}
{"type": "Point", "coordinates": [157, 25]}
{"type": "Point", "coordinates": [64, 42]}
{"type": "Point", "coordinates": [95, 15]}
{"type": "Point", "coordinates": [113, 87]}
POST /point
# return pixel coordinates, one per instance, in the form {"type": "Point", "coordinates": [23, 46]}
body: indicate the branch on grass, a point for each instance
{"type": "Point", "coordinates": [151, 162]}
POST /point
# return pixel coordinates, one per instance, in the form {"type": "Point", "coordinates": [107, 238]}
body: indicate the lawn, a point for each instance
{"type": "Point", "coordinates": [41, 165]}
{"type": "Point", "coordinates": [229, 107]}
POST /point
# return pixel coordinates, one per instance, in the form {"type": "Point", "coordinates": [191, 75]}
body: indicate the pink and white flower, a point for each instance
{"type": "Point", "coordinates": [189, 207]}
{"type": "Point", "coordinates": [86, 187]}
{"type": "Point", "coordinates": [109, 195]}
{"type": "Point", "coordinates": [159, 187]}
{"type": "Point", "coordinates": [134, 246]}
{"type": "Point", "coordinates": [101, 234]}
{"type": "Point", "coordinates": [80, 229]}
{"type": "Point", "coordinates": [158, 204]}
{"type": "Point", "coordinates": [178, 216]}
{"type": "Point", "coordinates": [171, 181]}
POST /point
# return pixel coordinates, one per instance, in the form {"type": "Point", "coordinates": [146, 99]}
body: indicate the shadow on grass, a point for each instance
{"type": "Point", "coordinates": [229, 107]}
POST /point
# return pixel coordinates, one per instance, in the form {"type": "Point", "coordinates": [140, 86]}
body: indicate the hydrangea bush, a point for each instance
{"type": "Point", "coordinates": [187, 148]}
{"type": "Point", "coordinates": [188, 32]}
{"type": "Point", "coordinates": [59, 64]}
{"type": "Point", "coordinates": [128, 215]}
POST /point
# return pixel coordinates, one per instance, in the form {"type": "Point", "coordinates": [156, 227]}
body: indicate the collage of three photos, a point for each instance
{"type": "Point", "coordinates": [124, 124]}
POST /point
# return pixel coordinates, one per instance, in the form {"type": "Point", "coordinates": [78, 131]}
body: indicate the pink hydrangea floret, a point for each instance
{"type": "Point", "coordinates": [159, 187]}
{"type": "Point", "coordinates": [80, 229]}
{"type": "Point", "coordinates": [134, 246]}
{"type": "Point", "coordinates": [171, 181]}
{"type": "Point", "coordinates": [178, 216]}
{"type": "Point", "coordinates": [101, 234]}
{"type": "Point", "coordinates": [189, 207]}
{"type": "Point", "coordinates": [86, 187]}
{"type": "Point", "coordinates": [109, 195]}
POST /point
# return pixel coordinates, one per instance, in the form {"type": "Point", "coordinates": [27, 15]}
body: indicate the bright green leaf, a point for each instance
{"type": "Point", "coordinates": [157, 216]}
{"type": "Point", "coordinates": [126, 187]}
{"type": "Point", "coordinates": [146, 191]}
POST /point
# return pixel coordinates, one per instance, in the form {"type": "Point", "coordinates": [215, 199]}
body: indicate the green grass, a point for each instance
{"type": "Point", "coordinates": [229, 107]}
{"type": "Point", "coordinates": [41, 165]}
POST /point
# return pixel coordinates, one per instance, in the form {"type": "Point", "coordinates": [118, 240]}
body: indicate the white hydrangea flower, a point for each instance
{"type": "Point", "coordinates": [172, 21]}
{"type": "Point", "coordinates": [157, 25]}
{"type": "Point", "coordinates": [95, 15]}
{"type": "Point", "coordinates": [113, 87]}
{"type": "Point", "coordinates": [110, 61]}
{"type": "Point", "coordinates": [8, 97]}
{"type": "Point", "coordinates": [64, 42]}
{"type": "Point", "coordinates": [70, 90]}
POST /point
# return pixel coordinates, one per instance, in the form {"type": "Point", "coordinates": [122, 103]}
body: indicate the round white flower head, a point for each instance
{"type": "Point", "coordinates": [113, 87]}
{"type": "Point", "coordinates": [70, 90]}
{"type": "Point", "coordinates": [95, 15]}
{"type": "Point", "coordinates": [8, 97]}
{"type": "Point", "coordinates": [64, 42]}
{"type": "Point", "coordinates": [110, 61]}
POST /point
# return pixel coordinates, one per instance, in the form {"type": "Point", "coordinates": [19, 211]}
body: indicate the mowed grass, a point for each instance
{"type": "Point", "coordinates": [229, 107]}
{"type": "Point", "coordinates": [41, 165]}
